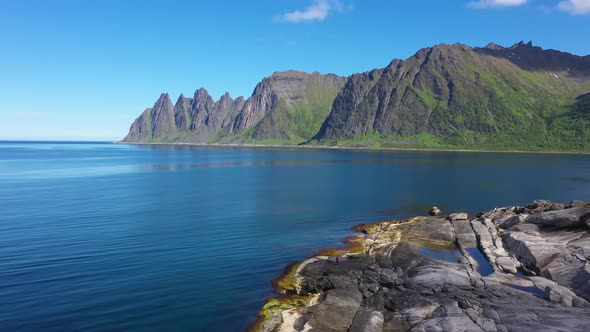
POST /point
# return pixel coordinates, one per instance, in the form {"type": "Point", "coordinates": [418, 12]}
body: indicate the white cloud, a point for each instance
{"type": "Point", "coordinates": [317, 11]}
{"type": "Point", "coordinates": [575, 7]}
{"type": "Point", "coordinates": [496, 3]}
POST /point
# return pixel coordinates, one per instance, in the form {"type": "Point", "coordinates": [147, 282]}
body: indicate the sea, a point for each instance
{"type": "Point", "coordinates": [113, 237]}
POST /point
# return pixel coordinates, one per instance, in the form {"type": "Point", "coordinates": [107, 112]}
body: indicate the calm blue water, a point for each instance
{"type": "Point", "coordinates": [103, 237]}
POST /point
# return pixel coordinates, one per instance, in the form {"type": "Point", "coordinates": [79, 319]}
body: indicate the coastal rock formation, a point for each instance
{"type": "Point", "coordinates": [509, 269]}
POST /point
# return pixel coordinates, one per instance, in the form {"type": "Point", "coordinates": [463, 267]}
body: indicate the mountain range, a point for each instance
{"type": "Point", "coordinates": [445, 96]}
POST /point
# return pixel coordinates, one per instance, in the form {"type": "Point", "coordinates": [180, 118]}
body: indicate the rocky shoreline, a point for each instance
{"type": "Point", "coordinates": [365, 148]}
{"type": "Point", "coordinates": [516, 268]}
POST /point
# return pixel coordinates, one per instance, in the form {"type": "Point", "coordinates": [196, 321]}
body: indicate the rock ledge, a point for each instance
{"type": "Point", "coordinates": [509, 269]}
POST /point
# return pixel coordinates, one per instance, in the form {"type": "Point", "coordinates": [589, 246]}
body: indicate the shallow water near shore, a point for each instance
{"type": "Point", "coordinates": [100, 237]}
{"type": "Point", "coordinates": [484, 268]}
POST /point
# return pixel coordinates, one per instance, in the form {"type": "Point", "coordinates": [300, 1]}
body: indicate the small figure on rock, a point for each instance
{"type": "Point", "coordinates": [337, 260]}
{"type": "Point", "coordinates": [434, 211]}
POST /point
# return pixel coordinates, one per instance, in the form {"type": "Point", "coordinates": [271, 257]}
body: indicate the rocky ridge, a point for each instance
{"type": "Point", "coordinates": [521, 97]}
{"type": "Point", "coordinates": [287, 106]}
{"type": "Point", "coordinates": [457, 95]}
{"type": "Point", "coordinates": [510, 269]}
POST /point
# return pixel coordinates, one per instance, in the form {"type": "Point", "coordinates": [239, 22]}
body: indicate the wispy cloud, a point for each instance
{"type": "Point", "coordinates": [496, 3]}
{"type": "Point", "coordinates": [575, 7]}
{"type": "Point", "coordinates": [317, 11]}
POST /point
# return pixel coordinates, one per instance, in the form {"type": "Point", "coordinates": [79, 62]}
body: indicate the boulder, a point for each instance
{"type": "Point", "coordinates": [500, 212]}
{"type": "Point", "coordinates": [568, 218]}
{"type": "Point", "coordinates": [539, 206]}
{"type": "Point", "coordinates": [507, 264]}
{"type": "Point", "coordinates": [434, 211]}
{"type": "Point", "coordinates": [388, 278]}
{"type": "Point", "coordinates": [554, 296]}
{"type": "Point", "coordinates": [372, 272]}
{"type": "Point", "coordinates": [508, 221]}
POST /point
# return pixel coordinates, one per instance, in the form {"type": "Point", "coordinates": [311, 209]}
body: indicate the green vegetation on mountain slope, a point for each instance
{"type": "Point", "coordinates": [454, 96]}
{"type": "Point", "coordinates": [445, 97]}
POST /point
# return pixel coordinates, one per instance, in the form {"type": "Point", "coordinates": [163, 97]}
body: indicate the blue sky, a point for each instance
{"type": "Point", "coordinates": [84, 70]}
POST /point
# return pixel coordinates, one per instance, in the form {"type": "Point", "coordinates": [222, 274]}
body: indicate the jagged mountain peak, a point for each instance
{"type": "Point", "coordinates": [164, 96]}
{"type": "Point", "coordinates": [494, 46]}
{"type": "Point", "coordinates": [163, 101]}
{"type": "Point", "coordinates": [522, 44]}
{"type": "Point", "coordinates": [201, 92]}
{"type": "Point", "coordinates": [182, 100]}
{"type": "Point", "coordinates": [449, 93]}
{"type": "Point", "coordinates": [529, 56]}
{"type": "Point", "coordinates": [226, 96]}
{"type": "Point", "coordinates": [200, 118]}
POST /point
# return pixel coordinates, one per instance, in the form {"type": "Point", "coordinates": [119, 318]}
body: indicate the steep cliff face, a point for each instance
{"type": "Point", "coordinates": [141, 128]}
{"type": "Point", "coordinates": [181, 113]}
{"type": "Point", "coordinates": [299, 101]}
{"type": "Point", "coordinates": [294, 106]}
{"type": "Point", "coordinates": [162, 117]}
{"type": "Point", "coordinates": [158, 121]}
{"type": "Point", "coordinates": [458, 95]}
{"type": "Point", "coordinates": [206, 116]}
